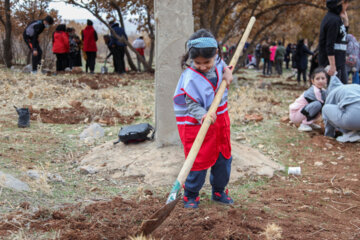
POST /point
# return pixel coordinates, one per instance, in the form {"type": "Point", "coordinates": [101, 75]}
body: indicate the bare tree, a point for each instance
{"type": "Point", "coordinates": [7, 53]}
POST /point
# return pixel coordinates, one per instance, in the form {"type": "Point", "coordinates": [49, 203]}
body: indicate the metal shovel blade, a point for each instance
{"type": "Point", "coordinates": [104, 70]}
{"type": "Point", "coordinates": [149, 225]}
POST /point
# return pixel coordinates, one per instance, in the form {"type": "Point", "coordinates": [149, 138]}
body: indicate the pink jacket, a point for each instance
{"type": "Point", "coordinates": [272, 53]}
{"type": "Point", "coordinates": [301, 102]}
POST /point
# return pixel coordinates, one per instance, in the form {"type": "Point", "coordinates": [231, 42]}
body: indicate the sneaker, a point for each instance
{"type": "Point", "coordinates": [315, 126]}
{"type": "Point", "coordinates": [191, 202]}
{"type": "Point", "coordinates": [222, 197]}
{"type": "Point", "coordinates": [352, 136]}
{"type": "Point", "coordinates": [304, 128]}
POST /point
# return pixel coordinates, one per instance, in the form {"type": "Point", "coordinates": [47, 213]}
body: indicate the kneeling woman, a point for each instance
{"type": "Point", "coordinates": [342, 110]}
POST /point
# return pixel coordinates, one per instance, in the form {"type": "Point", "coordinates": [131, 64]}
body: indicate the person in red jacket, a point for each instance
{"type": "Point", "coordinates": [89, 38]}
{"type": "Point", "coordinates": [61, 47]}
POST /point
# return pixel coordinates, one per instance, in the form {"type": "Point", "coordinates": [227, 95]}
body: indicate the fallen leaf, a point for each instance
{"type": "Point", "coordinates": [254, 117]}
{"type": "Point", "coordinates": [285, 119]}
{"type": "Point", "coordinates": [94, 189]}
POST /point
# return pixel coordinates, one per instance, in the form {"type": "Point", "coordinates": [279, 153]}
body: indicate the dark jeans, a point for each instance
{"type": "Point", "coordinates": [279, 65]}
{"type": "Point", "coordinates": [342, 74]}
{"type": "Point", "coordinates": [118, 58]}
{"type": "Point", "coordinates": [271, 64]}
{"type": "Point", "coordinates": [90, 61]}
{"type": "Point", "coordinates": [219, 178]}
{"type": "Point", "coordinates": [299, 72]}
{"type": "Point", "coordinates": [287, 61]}
{"type": "Point", "coordinates": [62, 61]}
{"type": "Point", "coordinates": [36, 60]}
{"type": "Point", "coordinates": [267, 66]}
{"type": "Point", "coordinates": [75, 59]}
{"type": "Point", "coordinates": [258, 58]}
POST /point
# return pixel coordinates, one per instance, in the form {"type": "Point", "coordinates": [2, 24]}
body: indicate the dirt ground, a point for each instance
{"type": "Point", "coordinates": [321, 203]}
{"type": "Point", "coordinates": [77, 113]}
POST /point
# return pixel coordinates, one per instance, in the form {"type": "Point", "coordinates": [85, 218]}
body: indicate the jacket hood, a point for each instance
{"type": "Point", "coordinates": [61, 27]}
{"type": "Point", "coordinates": [115, 25]}
{"type": "Point", "coordinates": [89, 27]}
{"type": "Point", "coordinates": [334, 83]}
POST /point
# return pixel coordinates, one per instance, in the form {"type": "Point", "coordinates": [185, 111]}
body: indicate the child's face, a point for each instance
{"type": "Point", "coordinates": [204, 64]}
{"type": "Point", "coordinates": [319, 80]}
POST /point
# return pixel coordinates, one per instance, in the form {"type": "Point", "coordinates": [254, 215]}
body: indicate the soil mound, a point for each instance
{"type": "Point", "coordinates": [77, 113]}
{"type": "Point", "coordinates": [147, 163]}
{"type": "Point", "coordinates": [100, 81]}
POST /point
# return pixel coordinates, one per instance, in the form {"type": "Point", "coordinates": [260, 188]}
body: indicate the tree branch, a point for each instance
{"type": "Point", "coordinates": [121, 39]}
{"type": "Point", "coordinates": [2, 20]}
{"type": "Point", "coordinates": [288, 4]}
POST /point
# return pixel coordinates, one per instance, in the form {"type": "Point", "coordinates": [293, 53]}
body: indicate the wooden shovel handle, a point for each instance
{"type": "Point", "coordinates": [185, 170]}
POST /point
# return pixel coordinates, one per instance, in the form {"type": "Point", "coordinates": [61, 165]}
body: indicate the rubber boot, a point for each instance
{"type": "Point", "coordinates": [24, 117]}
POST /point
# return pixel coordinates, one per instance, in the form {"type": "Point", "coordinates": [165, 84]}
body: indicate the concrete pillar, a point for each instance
{"type": "Point", "coordinates": [174, 25]}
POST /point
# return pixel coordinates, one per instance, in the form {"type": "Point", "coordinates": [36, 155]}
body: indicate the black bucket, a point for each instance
{"type": "Point", "coordinates": [24, 117]}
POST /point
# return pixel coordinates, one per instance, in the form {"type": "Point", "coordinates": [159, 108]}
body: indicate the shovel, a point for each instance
{"type": "Point", "coordinates": [104, 69]}
{"type": "Point", "coordinates": [148, 226]}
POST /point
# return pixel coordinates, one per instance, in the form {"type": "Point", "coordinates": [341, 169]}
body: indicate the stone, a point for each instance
{"type": "Point", "coordinates": [55, 178]}
{"type": "Point", "coordinates": [94, 131]}
{"type": "Point", "coordinates": [318, 164]}
{"type": "Point", "coordinates": [33, 174]}
{"type": "Point", "coordinates": [27, 69]}
{"type": "Point", "coordinates": [9, 181]}
{"type": "Point", "coordinates": [88, 170]}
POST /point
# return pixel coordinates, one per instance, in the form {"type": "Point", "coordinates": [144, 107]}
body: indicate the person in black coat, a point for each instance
{"type": "Point", "coordinates": [31, 35]}
{"type": "Point", "coordinates": [332, 41]}
{"type": "Point", "coordinates": [118, 48]}
{"type": "Point", "coordinates": [287, 55]}
{"type": "Point", "coordinates": [302, 53]}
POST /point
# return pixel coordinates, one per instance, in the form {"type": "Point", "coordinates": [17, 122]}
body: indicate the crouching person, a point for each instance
{"type": "Point", "coordinates": [307, 108]}
{"type": "Point", "coordinates": [342, 110]}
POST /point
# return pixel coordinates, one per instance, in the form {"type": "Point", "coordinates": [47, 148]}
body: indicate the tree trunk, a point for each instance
{"type": "Point", "coordinates": [152, 37]}
{"type": "Point", "coordinates": [7, 41]}
{"type": "Point", "coordinates": [170, 37]}
{"type": "Point", "coordinates": [130, 61]}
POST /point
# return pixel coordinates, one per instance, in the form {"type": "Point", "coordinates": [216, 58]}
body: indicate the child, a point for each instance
{"type": "Point", "coordinates": [307, 107]}
{"type": "Point", "coordinates": [75, 49]}
{"type": "Point", "coordinates": [193, 96]}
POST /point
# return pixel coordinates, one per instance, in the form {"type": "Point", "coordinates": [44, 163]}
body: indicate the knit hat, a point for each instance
{"type": "Point", "coordinates": [89, 22]}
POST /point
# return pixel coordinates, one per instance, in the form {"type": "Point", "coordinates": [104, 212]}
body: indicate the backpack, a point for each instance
{"type": "Point", "coordinates": [352, 51]}
{"type": "Point", "coordinates": [351, 60]}
{"type": "Point", "coordinates": [135, 133]}
{"type": "Point", "coordinates": [30, 31]}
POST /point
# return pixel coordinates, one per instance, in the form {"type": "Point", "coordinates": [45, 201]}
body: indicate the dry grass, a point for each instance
{"type": "Point", "coordinates": [41, 91]}
{"type": "Point", "coordinates": [272, 232]}
{"type": "Point", "coordinates": [251, 100]}
{"type": "Point", "coordinates": [141, 237]}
